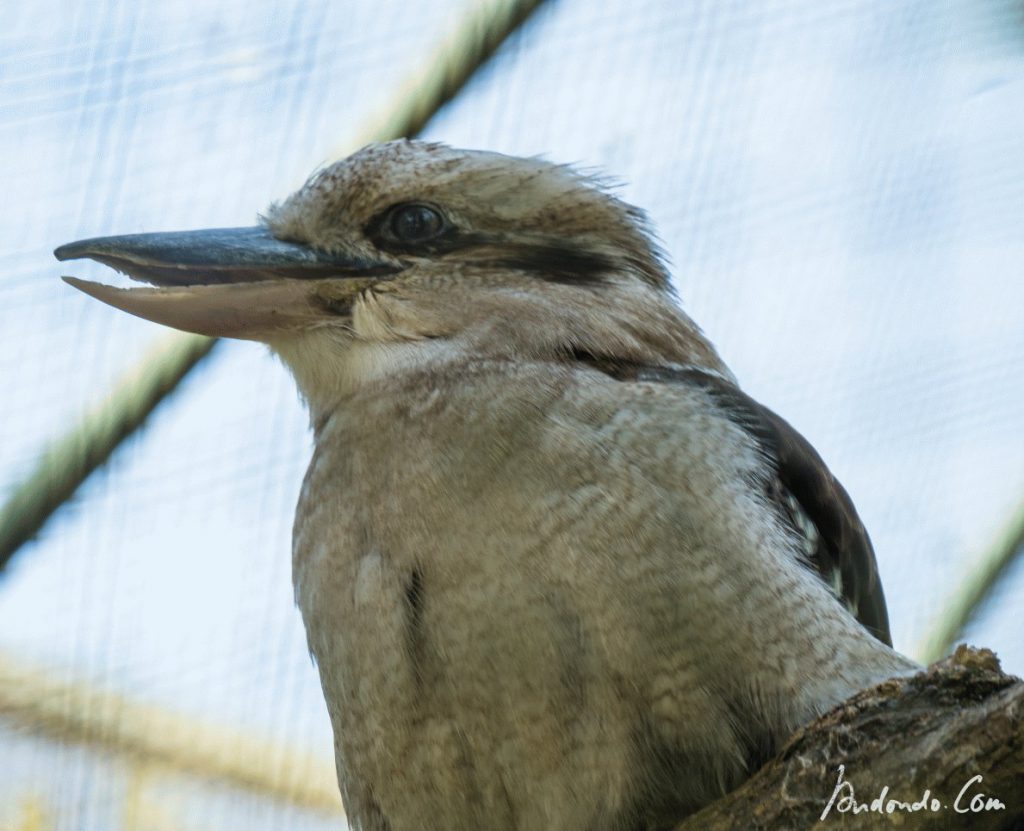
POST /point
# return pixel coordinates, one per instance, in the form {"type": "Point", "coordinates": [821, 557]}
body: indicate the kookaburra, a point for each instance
{"type": "Point", "coordinates": [556, 569]}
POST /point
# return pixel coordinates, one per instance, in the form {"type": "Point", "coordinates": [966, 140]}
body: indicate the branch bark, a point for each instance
{"type": "Point", "coordinates": [941, 743]}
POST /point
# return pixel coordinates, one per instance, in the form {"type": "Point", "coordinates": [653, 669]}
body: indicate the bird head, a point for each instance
{"type": "Point", "coordinates": [407, 252]}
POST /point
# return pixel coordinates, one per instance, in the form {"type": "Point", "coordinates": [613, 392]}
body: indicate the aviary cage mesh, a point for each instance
{"type": "Point", "coordinates": [840, 186]}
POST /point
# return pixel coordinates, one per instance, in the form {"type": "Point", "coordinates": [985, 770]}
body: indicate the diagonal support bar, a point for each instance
{"type": "Point", "coordinates": [974, 589]}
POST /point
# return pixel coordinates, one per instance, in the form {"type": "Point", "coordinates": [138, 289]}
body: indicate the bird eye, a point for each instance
{"type": "Point", "coordinates": [415, 223]}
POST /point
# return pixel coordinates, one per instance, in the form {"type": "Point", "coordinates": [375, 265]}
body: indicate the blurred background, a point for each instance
{"type": "Point", "coordinates": [839, 184]}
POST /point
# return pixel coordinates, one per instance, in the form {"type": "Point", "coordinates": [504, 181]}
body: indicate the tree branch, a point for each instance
{"type": "Point", "coordinates": [940, 743]}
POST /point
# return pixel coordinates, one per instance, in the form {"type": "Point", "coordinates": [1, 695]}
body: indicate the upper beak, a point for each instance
{"type": "Point", "coordinates": [230, 282]}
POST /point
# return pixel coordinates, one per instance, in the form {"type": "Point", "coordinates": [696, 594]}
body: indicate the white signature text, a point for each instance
{"type": "Point", "coordinates": [970, 800]}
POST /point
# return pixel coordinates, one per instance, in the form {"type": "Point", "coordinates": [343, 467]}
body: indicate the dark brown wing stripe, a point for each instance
{"type": "Point", "coordinates": [841, 545]}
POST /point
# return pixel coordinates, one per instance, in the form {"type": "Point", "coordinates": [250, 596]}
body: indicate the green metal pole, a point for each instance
{"type": "Point", "coordinates": [975, 588]}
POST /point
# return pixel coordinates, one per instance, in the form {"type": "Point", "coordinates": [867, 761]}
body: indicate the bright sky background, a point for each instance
{"type": "Point", "coordinates": [840, 186]}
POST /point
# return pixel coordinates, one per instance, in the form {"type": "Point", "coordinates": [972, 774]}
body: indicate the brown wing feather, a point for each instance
{"type": "Point", "coordinates": [804, 492]}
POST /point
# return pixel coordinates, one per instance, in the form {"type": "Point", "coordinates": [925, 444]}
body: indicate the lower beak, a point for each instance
{"type": "Point", "coordinates": [226, 282]}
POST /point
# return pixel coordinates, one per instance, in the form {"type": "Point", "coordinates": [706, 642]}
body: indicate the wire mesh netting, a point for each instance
{"type": "Point", "coordinates": [840, 186]}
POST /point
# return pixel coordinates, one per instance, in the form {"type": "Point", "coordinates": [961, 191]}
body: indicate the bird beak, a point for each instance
{"type": "Point", "coordinates": [226, 282]}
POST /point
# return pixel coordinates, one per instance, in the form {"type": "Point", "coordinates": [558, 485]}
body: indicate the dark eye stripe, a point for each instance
{"type": "Point", "coordinates": [420, 229]}
{"type": "Point", "coordinates": [556, 263]}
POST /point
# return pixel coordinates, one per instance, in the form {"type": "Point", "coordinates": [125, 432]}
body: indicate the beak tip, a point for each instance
{"type": "Point", "coordinates": [68, 251]}
{"type": "Point", "coordinates": [90, 288]}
